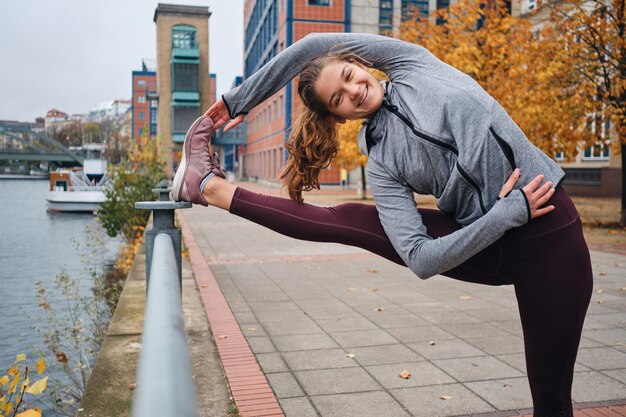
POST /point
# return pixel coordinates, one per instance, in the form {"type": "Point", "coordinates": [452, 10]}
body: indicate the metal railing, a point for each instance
{"type": "Point", "coordinates": [165, 385]}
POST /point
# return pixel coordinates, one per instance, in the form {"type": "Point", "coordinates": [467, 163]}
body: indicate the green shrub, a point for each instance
{"type": "Point", "coordinates": [131, 181]}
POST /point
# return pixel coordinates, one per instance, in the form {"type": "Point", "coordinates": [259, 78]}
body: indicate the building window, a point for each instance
{"type": "Point", "coordinates": [141, 99]}
{"type": "Point", "coordinates": [410, 6]}
{"type": "Point", "coordinates": [142, 115]}
{"type": "Point", "coordinates": [184, 117]}
{"type": "Point", "coordinates": [141, 83]}
{"type": "Point", "coordinates": [318, 2]}
{"type": "Point", "coordinates": [385, 20]}
{"type": "Point", "coordinates": [140, 132]}
{"type": "Point", "coordinates": [184, 37]}
{"type": "Point", "coordinates": [597, 152]}
{"type": "Point", "coordinates": [559, 156]}
{"type": "Point", "coordinates": [186, 77]}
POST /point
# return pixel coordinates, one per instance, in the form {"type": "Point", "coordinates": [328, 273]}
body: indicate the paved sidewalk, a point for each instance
{"type": "Point", "coordinates": [333, 326]}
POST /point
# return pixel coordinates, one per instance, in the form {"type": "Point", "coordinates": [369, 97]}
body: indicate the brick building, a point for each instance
{"type": "Point", "coordinates": [144, 102]}
{"type": "Point", "coordinates": [182, 74]}
{"type": "Point", "coordinates": [272, 25]}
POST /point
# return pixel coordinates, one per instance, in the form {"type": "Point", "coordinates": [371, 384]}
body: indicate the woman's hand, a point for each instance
{"type": "Point", "coordinates": [219, 115]}
{"type": "Point", "coordinates": [536, 195]}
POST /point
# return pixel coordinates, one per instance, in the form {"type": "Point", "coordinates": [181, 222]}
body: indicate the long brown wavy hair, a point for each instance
{"type": "Point", "coordinates": [312, 142]}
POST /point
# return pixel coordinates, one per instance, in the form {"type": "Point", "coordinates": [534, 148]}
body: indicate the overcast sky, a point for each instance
{"type": "Point", "coordinates": [73, 54]}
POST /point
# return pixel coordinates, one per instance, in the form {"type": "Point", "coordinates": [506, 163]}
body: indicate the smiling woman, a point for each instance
{"type": "Point", "coordinates": [431, 129]}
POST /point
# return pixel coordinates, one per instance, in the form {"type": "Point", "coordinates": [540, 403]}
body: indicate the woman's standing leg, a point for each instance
{"type": "Point", "coordinates": [553, 284]}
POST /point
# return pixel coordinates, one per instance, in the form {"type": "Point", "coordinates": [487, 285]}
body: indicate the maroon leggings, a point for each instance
{"type": "Point", "coordinates": [547, 260]}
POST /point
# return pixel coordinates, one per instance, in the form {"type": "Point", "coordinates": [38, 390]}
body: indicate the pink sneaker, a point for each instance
{"type": "Point", "coordinates": [196, 163]}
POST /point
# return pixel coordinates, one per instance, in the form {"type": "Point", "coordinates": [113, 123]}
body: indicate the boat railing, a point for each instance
{"type": "Point", "coordinates": [164, 376]}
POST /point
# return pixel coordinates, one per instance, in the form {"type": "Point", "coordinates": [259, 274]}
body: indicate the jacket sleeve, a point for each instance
{"type": "Point", "coordinates": [424, 255]}
{"type": "Point", "coordinates": [392, 56]}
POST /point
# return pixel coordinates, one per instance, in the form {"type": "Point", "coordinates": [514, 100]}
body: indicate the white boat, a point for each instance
{"type": "Point", "coordinates": [79, 189]}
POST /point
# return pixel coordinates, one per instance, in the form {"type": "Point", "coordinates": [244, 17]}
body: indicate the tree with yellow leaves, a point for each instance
{"type": "Point", "coordinates": [594, 37]}
{"type": "Point", "coordinates": [18, 384]}
{"type": "Point", "coordinates": [525, 70]}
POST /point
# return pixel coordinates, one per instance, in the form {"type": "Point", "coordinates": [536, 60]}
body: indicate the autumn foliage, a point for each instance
{"type": "Point", "coordinates": [525, 69]}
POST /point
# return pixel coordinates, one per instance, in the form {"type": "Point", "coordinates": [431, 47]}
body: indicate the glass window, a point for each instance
{"type": "Point", "coordinates": [600, 151]}
{"type": "Point", "coordinates": [318, 2]}
{"type": "Point", "coordinates": [141, 99]}
{"type": "Point", "coordinates": [186, 77]}
{"type": "Point", "coordinates": [184, 38]}
{"type": "Point", "coordinates": [142, 115]}
{"type": "Point", "coordinates": [141, 83]}
{"type": "Point", "coordinates": [184, 116]}
{"type": "Point", "coordinates": [409, 7]}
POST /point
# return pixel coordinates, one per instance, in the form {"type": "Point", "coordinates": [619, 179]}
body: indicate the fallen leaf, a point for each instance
{"type": "Point", "coordinates": [446, 397]}
{"type": "Point", "coordinates": [380, 309]}
{"type": "Point", "coordinates": [602, 273]}
{"type": "Point", "coordinates": [623, 289]}
{"type": "Point", "coordinates": [405, 374]}
{"type": "Point", "coordinates": [204, 286]}
{"type": "Point", "coordinates": [38, 387]}
{"type": "Point", "coordinates": [350, 355]}
{"type": "Point", "coordinates": [224, 336]}
{"type": "Point", "coordinates": [30, 413]}
{"type": "Point", "coordinates": [20, 357]}
{"type": "Point", "coordinates": [373, 289]}
{"type": "Point", "coordinates": [600, 291]}
{"type": "Point", "coordinates": [41, 366]}
{"type": "Point", "coordinates": [13, 371]}
{"type": "Point", "coordinates": [613, 232]}
{"type": "Point", "coordinates": [4, 380]}
{"type": "Point", "coordinates": [432, 343]}
{"type": "Point", "coordinates": [465, 297]}
{"type": "Point", "coordinates": [373, 271]}
{"type": "Point", "coordinates": [600, 301]}
{"type": "Point", "coordinates": [619, 265]}
{"type": "Point", "coordinates": [506, 385]}
{"type": "Point", "coordinates": [351, 289]}
{"type": "Point", "coordinates": [251, 329]}
{"type": "Point", "coordinates": [132, 386]}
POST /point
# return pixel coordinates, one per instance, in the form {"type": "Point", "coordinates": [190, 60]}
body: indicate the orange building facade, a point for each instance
{"type": "Point", "coordinates": [269, 27]}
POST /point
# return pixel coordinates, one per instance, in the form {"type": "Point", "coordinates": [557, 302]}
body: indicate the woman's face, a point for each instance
{"type": "Point", "coordinates": [349, 91]}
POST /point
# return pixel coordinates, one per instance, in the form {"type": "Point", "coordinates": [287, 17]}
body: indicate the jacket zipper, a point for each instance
{"type": "Point", "coordinates": [441, 144]}
{"type": "Point", "coordinates": [506, 148]}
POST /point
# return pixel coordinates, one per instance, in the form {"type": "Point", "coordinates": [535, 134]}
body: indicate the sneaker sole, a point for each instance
{"type": "Point", "coordinates": [181, 172]}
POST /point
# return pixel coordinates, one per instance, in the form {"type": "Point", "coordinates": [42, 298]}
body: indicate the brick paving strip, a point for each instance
{"type": "Point", "coordinates": [249, 386]}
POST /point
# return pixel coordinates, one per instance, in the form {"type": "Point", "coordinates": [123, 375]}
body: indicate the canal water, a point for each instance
{"type": "Point", "coordinates": [37, 246]}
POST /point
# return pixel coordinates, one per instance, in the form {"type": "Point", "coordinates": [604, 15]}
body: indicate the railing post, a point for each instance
{"type": "Point", "coordinates": [163, 222]}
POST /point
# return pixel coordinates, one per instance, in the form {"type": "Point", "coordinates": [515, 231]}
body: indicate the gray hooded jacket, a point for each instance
{"type": "Point", "coordinates": [438, 132]}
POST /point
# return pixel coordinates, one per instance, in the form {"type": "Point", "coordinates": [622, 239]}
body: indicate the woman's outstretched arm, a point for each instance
{"type": "Point", "coordinates": [392, 56]}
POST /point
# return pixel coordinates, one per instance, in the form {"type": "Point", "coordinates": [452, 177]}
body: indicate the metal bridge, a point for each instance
{"type": "Point", "coordinates": [18, 142]}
